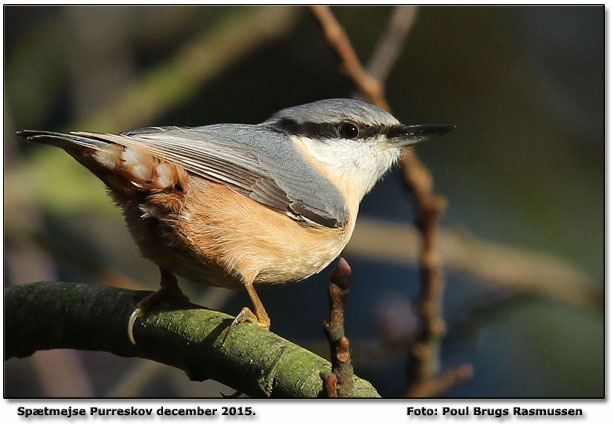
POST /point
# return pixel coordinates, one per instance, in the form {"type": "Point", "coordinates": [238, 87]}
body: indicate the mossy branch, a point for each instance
{"type": "Point", "coordinates": [257, 362]}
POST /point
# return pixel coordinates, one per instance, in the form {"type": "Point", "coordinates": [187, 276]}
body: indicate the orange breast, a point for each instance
{"type": "Point", "coordinates": [255, 242]}
{"type": "Point", "coordinates": [222, 238]}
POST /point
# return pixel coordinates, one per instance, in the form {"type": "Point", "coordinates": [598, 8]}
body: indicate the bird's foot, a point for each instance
{"type": "Point", "coordinates": [171, 291]}
{"type": "Point", "coordinates": [246, 315]}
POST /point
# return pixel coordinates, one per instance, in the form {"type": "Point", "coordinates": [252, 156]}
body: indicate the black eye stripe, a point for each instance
{"type": "Point", "coordinates": [318, 130]}
{"type": "Point", "coordinates": [307, 129]}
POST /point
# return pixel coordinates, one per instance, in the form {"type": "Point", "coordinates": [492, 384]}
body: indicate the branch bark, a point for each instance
{"type": "Point", "coordinates": [82, 316]}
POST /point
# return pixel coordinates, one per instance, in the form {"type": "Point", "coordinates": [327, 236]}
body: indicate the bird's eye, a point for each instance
{"type": "Point", "coordinates": [348, 130]}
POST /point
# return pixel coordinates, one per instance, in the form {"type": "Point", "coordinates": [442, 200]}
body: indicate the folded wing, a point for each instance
{"type": "Point", "coordinates": [255, 162]}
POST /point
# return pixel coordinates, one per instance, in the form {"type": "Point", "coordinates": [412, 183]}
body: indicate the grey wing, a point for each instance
{"type": "Point", "coordinates": [251, 160]}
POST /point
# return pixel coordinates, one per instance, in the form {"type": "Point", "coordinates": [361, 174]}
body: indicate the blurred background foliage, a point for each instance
{"type": "Point", "coordinates": [525, 168]}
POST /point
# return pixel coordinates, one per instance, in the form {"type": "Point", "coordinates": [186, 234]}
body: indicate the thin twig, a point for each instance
{"type": "Point", "coordinates": [390, 44]}
{"type": "Point", "coordinates": [424, 365]}
{"type": "Point", "coordinates": [339, 383]}
{"type": "Point", "coordinates": [442, 383]}
{"type": "Point", "coordinates": [330, 384]}
{"type": "Point", "coordinates": [424, 362]}
{"type": "Point", "coordinates": [350, 63]}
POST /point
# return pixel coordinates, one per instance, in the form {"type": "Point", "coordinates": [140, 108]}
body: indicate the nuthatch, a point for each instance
{"type": "Point", "coordinates": [245, 206]}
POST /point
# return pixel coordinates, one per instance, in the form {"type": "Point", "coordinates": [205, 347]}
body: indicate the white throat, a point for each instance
{"type": "Point", "coordinates": [352, 166]}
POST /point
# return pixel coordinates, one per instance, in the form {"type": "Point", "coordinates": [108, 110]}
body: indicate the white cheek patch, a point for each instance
{"type": "Point", "coordinates": [357, 164]}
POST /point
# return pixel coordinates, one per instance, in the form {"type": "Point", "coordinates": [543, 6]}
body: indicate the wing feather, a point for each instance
{"type": "Point", "coordinates": [255, 163]}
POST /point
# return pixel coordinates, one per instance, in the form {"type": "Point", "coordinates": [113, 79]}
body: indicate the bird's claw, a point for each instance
{"type": "Point", "coordinates": [138, 313]}
{"type": "Point", "coordinates": [246, 315]}
{"type": "Point", "coordinates": [166, 292]}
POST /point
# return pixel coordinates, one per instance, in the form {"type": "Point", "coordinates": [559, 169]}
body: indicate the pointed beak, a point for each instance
{"type": "Point", "coordinates": [411, 134]}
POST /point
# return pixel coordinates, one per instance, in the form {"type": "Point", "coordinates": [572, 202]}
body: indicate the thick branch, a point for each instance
{"type": "Point", "coordinates": [82, 316]}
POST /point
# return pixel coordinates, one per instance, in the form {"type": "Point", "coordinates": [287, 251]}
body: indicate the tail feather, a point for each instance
{"type": "Point", "coordinates": [62, 140]}
{"type": "Point", "coordinates": [124, 169]}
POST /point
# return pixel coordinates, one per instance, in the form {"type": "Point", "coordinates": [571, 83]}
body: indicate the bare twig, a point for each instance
{"type": "Point", "coordinates": [330, 384]}
{"type": "Point", "coordinates": [350, 63]}
{"type": "Point", "coordinates": [442, 383]}
{"type": "Point", "coordinates": [424, 357]}
{"type": "Point", "coordinates": [390, 44]}
{"type": "Point", "coordinates": [339, 383]}
{"type": "Point", "coordinates": [424, 363]}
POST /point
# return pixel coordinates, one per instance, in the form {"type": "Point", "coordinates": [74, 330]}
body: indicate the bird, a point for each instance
{"type": "Point", "coordinates": [244, 206]}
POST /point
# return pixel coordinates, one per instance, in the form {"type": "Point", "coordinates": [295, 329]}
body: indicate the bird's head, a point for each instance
{"type": "Point", "coordinates": [351, 142]}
